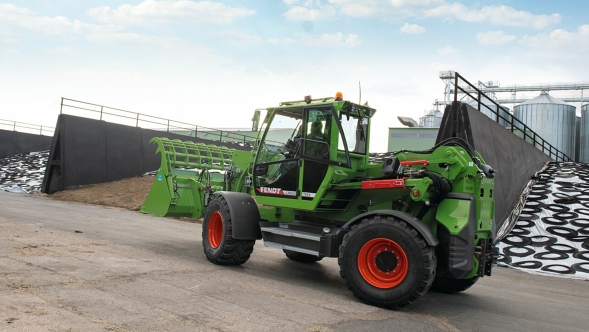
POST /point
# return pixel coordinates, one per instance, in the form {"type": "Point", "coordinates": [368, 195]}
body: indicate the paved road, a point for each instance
{"type": "Point", "coordinates": [84, 268]}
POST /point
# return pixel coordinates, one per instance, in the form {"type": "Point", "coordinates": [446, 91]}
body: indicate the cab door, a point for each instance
{"type": "Point", "coordinates": [316, 152]}
{"type": "Point", "coordinates": [294, 157]}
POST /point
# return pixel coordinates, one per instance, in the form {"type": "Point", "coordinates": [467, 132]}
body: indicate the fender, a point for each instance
{"type": "Point", "coordinates": [456, 255]}
{"type": "Point", "coordinates": [423, 230]}
{"type": "Point", "coordinates": [244, 214]}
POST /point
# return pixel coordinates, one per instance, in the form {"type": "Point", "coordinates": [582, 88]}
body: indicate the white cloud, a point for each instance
{"type": "Point", "coordinates": [17, 22]}
{"type": "Point", "coordinates": [9, 51]}
{"type": "Point", "coordinates": [284, 41]}
{"type": "Point", "coordinates": [494, 38]}
{"type": "Point", "coordinates": [384, 8]}
{"type": "Point", "coordinates": [132, 38]}
{"type": "Point", "coordinates": [400, 9]}
{"type": "Point", "coordinates": [352, 40]}
{"type": "Point", "coordinates": [60, 51]}
{"type": "Point", "coordinates": [300, 13]}
{"type": "Point", "coordinates": [558, 38]}
{"type": "Point", "coordinates": [412, 28]}
{"type": "Point", "coordinates": [9, 39]}
{"type": "Point", "coordinates": [560, 43]}
{"type": "Point", "coordinates": [239, 37]}
{"type": "Point", "coordinates": [13, 20]}
{"type": "Point", "coordinates": [497, 15]}
{"type": "Point", "coordinates": [447, 50]}
{"type": "Point", "coordinates": [357, 8]}
{"type": "Point", "coordinates": [149, 11]}
{"type": "Point", "coordinates": [330, 40]}
{"type": "Point", "coordinates": [401, 3]}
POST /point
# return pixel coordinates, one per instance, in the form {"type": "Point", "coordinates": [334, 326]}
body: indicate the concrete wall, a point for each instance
{"type": "Point", "coordinates": [13, 142]}
{"type": "Point", "coordinates": [86, 151]}
{"type": "Point", "coordinates": [514, 159]}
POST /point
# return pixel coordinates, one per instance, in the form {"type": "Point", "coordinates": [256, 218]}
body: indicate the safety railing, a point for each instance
{"type": "Point", "coordinates": [500, 115]}
{"type": "Point", "coordinates": [26, 127]}
{"type": "Point", "coordinates": [134, 119]}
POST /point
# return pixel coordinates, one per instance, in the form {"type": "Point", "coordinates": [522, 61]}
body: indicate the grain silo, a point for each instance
{"type": "Point", "coordinates": [432, 119]}
{"type": "Point", "coordinates": [584, 150]}
{"type": "Point", "coordinates": [552, 119]}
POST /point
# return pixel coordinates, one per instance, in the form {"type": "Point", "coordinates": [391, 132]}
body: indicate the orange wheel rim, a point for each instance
{"type": "Point", "coordinates": [382, 263]}
{"type": "Point", "coordinates": [215, 229]}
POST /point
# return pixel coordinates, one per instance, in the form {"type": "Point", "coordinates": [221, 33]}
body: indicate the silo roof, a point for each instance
{"type": "Point", "coordinates": [545, 98]}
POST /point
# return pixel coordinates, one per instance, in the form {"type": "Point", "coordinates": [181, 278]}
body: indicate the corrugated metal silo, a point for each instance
{"type": "Point", "coordinates": [584, 150]}
{"type": "Point", "coordinates": [433, 119]}
{"type": "Point", "coordinates": [552, 119]}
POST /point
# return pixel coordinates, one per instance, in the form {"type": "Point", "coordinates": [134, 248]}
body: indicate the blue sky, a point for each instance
{"type": "Point", "coordinates": [213, 62]}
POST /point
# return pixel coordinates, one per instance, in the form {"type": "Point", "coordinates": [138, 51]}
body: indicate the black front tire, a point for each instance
{"type": "Point", "coordinates": [218, 244]}
{"type": "Point", "coordinates": [300, 257]}
{"type": "Point", "coordinates": [385, 262]}
{"type": "Point", "coordinates": [452, 286]}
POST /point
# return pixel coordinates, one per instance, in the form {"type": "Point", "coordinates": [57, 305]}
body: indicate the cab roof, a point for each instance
{"type": "Point", "coordinates": [343, 105]}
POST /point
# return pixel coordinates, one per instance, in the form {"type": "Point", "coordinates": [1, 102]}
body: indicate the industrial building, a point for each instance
{"type": "Point", "coordinates": [553, 119]}
{"type": "Point", "coordinates": [415, 135]}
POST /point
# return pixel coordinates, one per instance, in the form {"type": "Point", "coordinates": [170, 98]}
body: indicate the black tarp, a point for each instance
{"type": "Point", "coordinates": [514, 159]}
{"type": "Point", "coordinates": [14, 142]}
{"type": "Point", "coordinates": [87, 151]}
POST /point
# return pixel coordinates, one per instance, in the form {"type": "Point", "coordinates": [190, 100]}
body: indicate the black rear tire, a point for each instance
{"type": "Point", "coordinates": [300, 257]}
{"type": "Point", "coordinates": [452, 286]}
{"type": "Point", "coordinates": [218, 244]}
{"type": "Point", "coordinates": [385, 262]}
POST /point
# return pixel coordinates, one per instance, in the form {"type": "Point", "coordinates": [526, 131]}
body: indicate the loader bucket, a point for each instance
{"type": "Point", "coordinates": [188, 173]}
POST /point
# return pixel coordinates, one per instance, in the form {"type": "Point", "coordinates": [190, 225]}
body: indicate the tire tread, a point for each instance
{"type": "Point", "coordinates": [427, 254]}
{"type": "Point", "coordinates": [233, 252]}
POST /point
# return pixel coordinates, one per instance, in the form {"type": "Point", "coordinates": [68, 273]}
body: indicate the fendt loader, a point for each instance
{"type": "Point", "coordinates": [416, 220]}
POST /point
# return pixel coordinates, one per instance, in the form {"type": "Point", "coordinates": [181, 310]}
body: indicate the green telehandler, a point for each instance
{"type": "Point", "coordinates": [414, 221]}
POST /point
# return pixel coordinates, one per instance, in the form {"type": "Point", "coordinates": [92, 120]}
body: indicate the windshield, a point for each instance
{"type": "Point", "coordinates": [281, 135]}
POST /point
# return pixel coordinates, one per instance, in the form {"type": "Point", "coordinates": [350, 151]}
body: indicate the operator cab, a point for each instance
{"type": "Point", "coordinates": [303, 144]}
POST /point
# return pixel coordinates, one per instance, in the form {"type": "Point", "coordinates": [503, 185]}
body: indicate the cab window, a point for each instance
{"type": "Point", "coordinates": [355, 130]}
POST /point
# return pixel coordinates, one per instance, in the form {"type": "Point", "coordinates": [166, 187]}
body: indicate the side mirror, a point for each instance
{"type": "Point", "coordinates": [256, 121]}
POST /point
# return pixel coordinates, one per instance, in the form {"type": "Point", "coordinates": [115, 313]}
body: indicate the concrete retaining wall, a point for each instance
{"type": "Point", "coordinates": [86, 151]}
{"type": "Point", "coordinates": [13, 142]}
{"type": "Point", "coordinates": [514, 159]}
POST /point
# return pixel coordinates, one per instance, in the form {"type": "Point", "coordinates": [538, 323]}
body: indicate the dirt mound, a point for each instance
{"type": "Point", "coordinates": [128, 193]}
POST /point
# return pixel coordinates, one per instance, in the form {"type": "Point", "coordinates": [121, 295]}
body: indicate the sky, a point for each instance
{"type": "Point", "coordinates": [212, 63]}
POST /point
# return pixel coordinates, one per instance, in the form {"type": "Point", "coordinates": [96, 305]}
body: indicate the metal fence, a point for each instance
{"type": "Point", "coordinates": [111, 114]}
{"type": "Point", "coordinates": [26, 127]}
{"type": "Point", "coordinates": [467, 89]}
